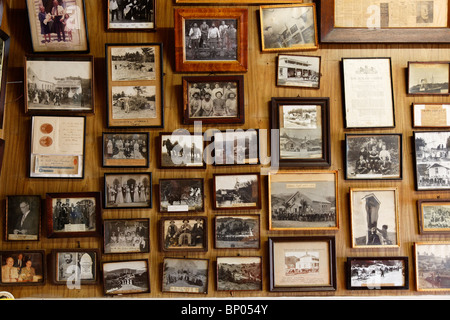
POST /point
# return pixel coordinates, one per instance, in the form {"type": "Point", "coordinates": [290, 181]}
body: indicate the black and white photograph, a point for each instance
{"type": "Point", "coordinates": [131, 14]}
{"type": "Point", "coordinates": [237, 232]}
{"type": "Point", "coordinates": [133, 63]}
{"type": "Point", "coordinates": [373, 156]}
{"type": "Point", "coordinates": [374, 217]}
{"type": "Point", "coordinates": [430, 78]}
{"type": "Point", "coordinates": [23, 218]}
{"type": "Point", "coordinates": [182, 275]}
{"type": "Point", "coordinates": [126, 277]}
{"type": "Point", "coordinates": [239, 273]}
{"type": "Point", "coordinates": [236, 191]}
{"type": "Point", "coordinates": [432, 160]}
{"type": "Point", "coordinates": [128, 190]}
{"type": "Point", "coordinates": [298, 71]}
{"type": "Point", "coordinates": [434, 216]}
{"type": "Point", "coordinates": [303, 201]}
{"type": "Point", "coordinates": [432, 266]}
{"type": "Point", "coordinates": [288, 27]}
{"type": "Point", "coordinates": [181, 195]}
{"type": "Point", "coordinates": [59, 84]}
{"type": "Point", "coordinates": [236, 147]}
{"type": "Point", "coordinates": [181, 151]}
{"type": "Point", "coordinates": [126, 149]}
{"type": "Point", "coordinates": [75, 267]}
{"type": "Point", "coordinates": [425, 12]}
{"type": "Point", "coordinates": [377, 273]}
{"type": "Point", "coordinates": [133, 102]}
{"type": "Point", "coordinates": [126, 236]}
{"type": "Point", "coordinates": [184, 234]}
{"type": "Point", "coordinates": [19, 268]}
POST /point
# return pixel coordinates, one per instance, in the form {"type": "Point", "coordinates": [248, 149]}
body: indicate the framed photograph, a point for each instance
{"type": "Point", "coordinates": [237, 1]}
{"type": "Point", "coordinates": [304, 131]}
{"type": "Point", "coordinates": [57, 147]}
{"type": "Point", "coordinates": [135, 85]}
{"type": "Point", "coordinates": [23, 218]}
{"type": "Point", "coordinates": [181, 234]}
{"type": "Point", "coordinates": [75, 267]}
{"type": "Point", "coordinates": [374, 217]}
{"type": "Point", "coordinates": [128, 190]}
{"type": "Point", "coordinates": [132, 16]}
{"type": "Point", "coordinates": [76, 214]}
{"type": "Point", "coordinates": [434, 216]}
{"type": "Point", "coordinates": [431, 115]}
{"type": "Point", "coordinates": [126, 236]}
{"type": "Point", "coordinates": [59, 84]}
{"type": "Point", "coordinates": [126, 277]}
{"type": "Point", "coordinates": [239, 273]}
{"type": "Point", "coordinates": [377, 273]}
{"type": "Point", "coordinates": [236, 147]}
{"type": "Point", "coordinates": [237, 232]}
{"type": "Point", "coordinates": [289, 27]}
{"type": "Point", "coordinates": [428, 78]}
{"type": "Point", "coordinates": [431, 269]}
{"type": "Point", "coordinates": [58, 26]}
{"type": "Point", "coordinates": [298, 71]}
{"type": "Point", "coordinates": [236, 191]}
{"type": "Point", "coordinates": [300, 264]}
{"type": "Point", "coordinates": [431, 160]}
{"type": "Point", "coordinates": [181, 195]}
{"type": "Point", "coordinates": [211, 39]}
{"type": "Point", "coordinates": [181, 150]}
{"type": "Point", "coordinates": [213, 99]}
{"type": "Point", "coordinates": [382, 22]}
{"type": "Point", "coordinates": [303, 200]}
{"type": "Point", "coordinates": [368, 93]}
{"type": "Point", "coordinates": [126, 150]}
{"type": "Point", "coordinates": [23, 268]}
{"type": "Point", "coordinates": [185, 275]}
{"type": "Point", "coordinates": [373, 157]}
{"type": "Point", "coordinates": [4, 57]}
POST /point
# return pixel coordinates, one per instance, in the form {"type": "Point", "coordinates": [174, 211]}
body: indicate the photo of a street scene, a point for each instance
{"type": "Point", "coordinates": [376, 274]}
{"type": "Point", "coordinates": [133, 102]}
{"type": "Point", "coordinates": [239, 273]}
{"type": "Point", "coordinates": [298, 71]}
{"type": "Point", "coordinates": [433, 266]}
{"type": "Point", "coordinates": [129, 64]}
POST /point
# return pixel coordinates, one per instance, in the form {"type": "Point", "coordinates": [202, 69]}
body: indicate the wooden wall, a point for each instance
{"type": "Point", "coordinates": [259, 89]}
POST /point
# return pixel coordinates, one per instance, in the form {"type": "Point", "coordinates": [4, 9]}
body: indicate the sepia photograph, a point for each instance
{"type": "Point", "coordinates": [288, 27]}
{"type": "Point", "coordinates": [237, 232]}
{"type": "Point", "coordinates": [181, 275]}
{"type": "Point", "coordinates": [373, 156]}
{"type": "Point", "coordinates": [434, 216]}
{"type": "Point", "coordinates": [23, 218]}
{"type": "Point", "coordinates": [131, 15]}
{"type": "Point", "coordinates": [428, 78]}
{"type": "Point", "coordinates": [432, 266]}
{"type": "Point", "coordinates": [239, 273]}
{"type": "Point", "coordinates": [133, 63]}
{"type": "Point", "coordinates": [181, 195]}
{"type": "Point", "coordinates": [374, 217]}
{"type": "Point", "coordinates": [298, 71]}
{"type": "Point", "coordinates": [431, 115]}
{"type": "Point", "coordinates": [128, 190]}
{"type": "Point", "coordinates": [126, 149]}
{"type": "Point", "coordinates": [432, 160]}
{"type": "Point", "coordinates": [303, 200]}
{"type": "Point", "coordinates": [236, 147]}
{"type": "Point", "coordinates": [126, 236]}
{"type": "Point", "coordinates": [371, 273]}
{"type": "Point", "coordinates": [23, 268]}
{"type": "Point", "coordinates": [184, 234]}
{"type": "Point", "coordinates": [236, 191]}
{"type": "Point", "coordinates": [75, 267]}
{"type": "Point", "coordinates": [133, 102]}
{"type": "Point", "coordinates": [182, 151]}
{"type": "Point", "coordinates": [126, 277]}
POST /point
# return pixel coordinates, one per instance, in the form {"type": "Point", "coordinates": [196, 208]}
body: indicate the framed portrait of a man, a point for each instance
{"type": "Point", "coordinates": [23, 218]}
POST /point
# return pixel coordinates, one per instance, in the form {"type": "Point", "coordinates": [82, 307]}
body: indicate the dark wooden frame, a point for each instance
{"type": "Point", "coordinates": [240, 119]}
{"type": "Point", "coordinates": [413, 112]}
{"type": "Point", "coordinates": [201, 180]}
{"type": "Point", "coordinates": [67, 58]}
{"type": "Point", "coordinates": [2, 152]}
{"type": "Point", "coordinates": [105, 195]}
{"type": "Point", "coordinates": [330, 240]}
{"type": "Point", "coordinates": [109, 28]}
{"type": "Point", "coordinates": [187, 259]}
{"type": "Point", "coordinates": [162, 232]}
{"type": "Point", "coordinates": [400, 153]}
{"type": "Point", "coordinates": [104, 146]}
{"type": "Point", "coordinates": [324, 104]}
{"type": "Point", "coordinates": [73, 234]}
{"type": "Point", "coordinates": [103, 263]}
{"type": "Point", "coordinates": [159, 81]}
{"type": "Point", "coordinates": [240, 257]}
{"type": "Point", "coordinates": [258, 162]}
{"type": "Point", "coordinates": [238, 65]}
{"type": "Point", "coordinates": [420, 205]}
{"type": "Point", "coordinates": [6, 44]}
{"type": "Point", "coordinates": [24, 252]}
{"type": "Point", "coordinates": [159, 144]}
{"type": "Point", "coordinates": [411, 63]}
{"type": "Point", "coordinates": [253, 216]}
{"type": "Point", "coordinates": [374, 286]}
{"type": "Point", "coordinates": [329, 33]}
{"type": "Point", "coordinates": [214, 196]}
{"type": "Point", "coordinates": [146, 220]}
{"type": "Point", "coordinates": [298, 56]}
{"type": "Point", "coordinates": [5, 220]}
{"type": "Point", "coordinates": [54, 266]}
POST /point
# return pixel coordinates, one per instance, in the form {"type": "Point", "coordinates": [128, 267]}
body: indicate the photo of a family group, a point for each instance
{"type": "Point", "coordinates": [123, 190]}
{"type": "Point", "coordinates": [125, 150]}
{"type": "Point", "coordinates": [22, 268]}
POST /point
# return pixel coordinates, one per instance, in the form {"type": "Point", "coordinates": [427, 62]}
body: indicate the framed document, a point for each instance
{"type": "Point", "coordinates": [75, 267]}
{"type": "Point", "coordinates": [368, 93]}
{"type": "Point", "coordinates": [434, 216]}
{"type": "Point", "coordinates": [428, 78]}
{"type": "Point", "coordinates": [132, 16]}
{"type": "Point", "coordinates": [431, 115]}
{"type": "Point", "coordinates": [57, 147]}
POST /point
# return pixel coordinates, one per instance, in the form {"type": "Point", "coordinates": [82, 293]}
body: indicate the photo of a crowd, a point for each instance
{"type": "Point", "coordinates": [131, 14]}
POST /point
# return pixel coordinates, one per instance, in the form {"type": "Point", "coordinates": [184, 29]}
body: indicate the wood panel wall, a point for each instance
{"type": "Point", "coordinates": [259, 89]}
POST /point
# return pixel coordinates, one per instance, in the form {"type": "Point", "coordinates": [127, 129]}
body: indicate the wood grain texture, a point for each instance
{"type": "Point", "coordinates": [260, 87]}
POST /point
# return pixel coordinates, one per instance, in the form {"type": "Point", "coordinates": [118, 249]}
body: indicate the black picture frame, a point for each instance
{"type": "Point", "coordinates": [142, 160]}
{"type": "Point", "coordinates": [109, 203]}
